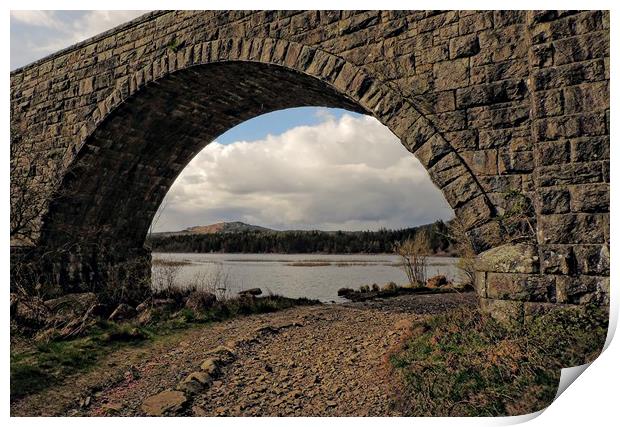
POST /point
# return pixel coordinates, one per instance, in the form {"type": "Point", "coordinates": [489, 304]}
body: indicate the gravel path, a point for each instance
{"type": "Point", "coordinates": [307, 361]}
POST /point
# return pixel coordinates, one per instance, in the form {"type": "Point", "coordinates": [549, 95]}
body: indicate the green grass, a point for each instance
{"type": "Point", "coordinates": [38, 367]}
{"type": "Point", "coordinates": [466, 364]}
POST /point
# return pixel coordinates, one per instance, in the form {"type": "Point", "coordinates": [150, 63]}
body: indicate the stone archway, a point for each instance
{"type": "Point", "coordinates": [478, 97]}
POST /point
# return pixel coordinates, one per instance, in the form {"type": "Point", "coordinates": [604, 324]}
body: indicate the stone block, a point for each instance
{"type": "Point", "coordinates": [592, 259]}
{"type": "Point", "coordinates": [553, 152]}
{"type": "Point", "coordinates": [461, 190]}
{"type": "Point", "coordinates": [481, 162]}
{"type": "Point", "coordinates": [569, 126]}
{"type": "Point", "coordinates": [475, 212]}
{"type": "Point", "coordinates": [464, 46]}
{"type": "Point", "coordinates": [589, 198]}
{"type": "Point", "coordinates": [504, 18]}
{"type": "Point", "coordinates": [491, 93]}
{"type": "Point", "coordinates": [541, 55]}
{"type": "Point", "coordinates": [568, 75]}
{"type": "Point", "coordinates": [500, 184]}
{"type": "Point", "coordinates": [549, 103]}
{"type": "Point", "coordinates": [571, 228]}
{"type": "Point", "coordinates": [515, 161]}
{"type": "Point", "coordinates": [475, 22]}
{"type": "Point", "coordinates": [589, 149]}
{"type": "Point", "coordinates": [446, 170]}
{"type": "Point", "coordinates": [418, 134]}
{"type": "Point", "coordinates": [553, 200]}
{"type": "Point", "coordinates": [581, 289]}
{"type": "Point", "coordinates": [433, 150]}
{"type": "Point", "coordinates": [480, 283]}
{"type": "Point", "coordinates": [574, 173]}
{"type": "Point", "coordinates": [463, 140]}
{"type": "Point", "coordinates": [581, 48]}
{"type": "Point", "coordinates": [519, 287]}
{"type": "Point", "coordinates": [586, 98]}
{"type": "Point", "coordinates": [509, 258]}
{"type": "Point", "coordinates": [557, 259]}
{"type": "Point", "coordinates": [452, 74]}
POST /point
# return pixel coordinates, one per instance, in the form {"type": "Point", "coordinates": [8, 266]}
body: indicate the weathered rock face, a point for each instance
{"type": "Point", "coordinates": [507, 110]}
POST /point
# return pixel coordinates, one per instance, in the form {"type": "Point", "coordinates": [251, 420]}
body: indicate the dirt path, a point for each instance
{"type": "Point", "coordinates": [319, 360]}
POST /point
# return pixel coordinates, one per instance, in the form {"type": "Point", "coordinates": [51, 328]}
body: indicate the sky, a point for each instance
{"type": "Point", "coordinates": [300, 168]}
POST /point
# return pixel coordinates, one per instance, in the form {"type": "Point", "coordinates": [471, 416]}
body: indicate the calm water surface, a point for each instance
{"type": "Point", "coordinates": [300, 275]}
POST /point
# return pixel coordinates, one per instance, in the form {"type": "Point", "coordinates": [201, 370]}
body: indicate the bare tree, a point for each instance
{"type": "Point", "coordinates": [165, 276]}
{"type": "Point", "coordinates": [413, 253]}
{"type": "Point", "coordinates": [36, 177]}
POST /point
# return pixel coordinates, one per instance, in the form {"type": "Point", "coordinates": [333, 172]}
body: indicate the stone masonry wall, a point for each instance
{"type": "Point", "coordinates": [507, 110]}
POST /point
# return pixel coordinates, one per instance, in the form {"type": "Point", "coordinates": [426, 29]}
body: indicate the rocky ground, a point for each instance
{"type": "Point", "coordinates": [313, 361]}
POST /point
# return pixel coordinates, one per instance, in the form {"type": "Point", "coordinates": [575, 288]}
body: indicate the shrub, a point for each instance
{"type": "Point", "coordinates": [466, 364]}
{"type": "Point", "coordinates": [413, 253]}
{"type": "Point", "coordinates": [390, 287]}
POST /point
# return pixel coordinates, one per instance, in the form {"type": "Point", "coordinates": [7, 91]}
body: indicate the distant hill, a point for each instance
{"type": "Point", "coordinates": [238, 237]}
{"type": "Point", "coordinates": [219, 227]}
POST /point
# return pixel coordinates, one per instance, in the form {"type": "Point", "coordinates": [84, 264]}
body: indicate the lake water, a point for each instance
{"type": "Point", "coordinates": [297, 275]}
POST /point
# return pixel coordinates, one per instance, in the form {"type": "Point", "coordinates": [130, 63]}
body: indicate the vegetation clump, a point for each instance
{"type": "Point", "coordinates": [413, 253]}
{"type": "Point", "coordinates": [466, 364]}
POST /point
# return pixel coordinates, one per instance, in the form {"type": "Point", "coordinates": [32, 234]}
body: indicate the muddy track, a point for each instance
{"type": "Point", "coordinates": [313, 361]}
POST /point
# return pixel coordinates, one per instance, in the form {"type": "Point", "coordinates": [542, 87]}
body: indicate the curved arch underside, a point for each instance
{"type": "Point", "coordinates": [127, 165]}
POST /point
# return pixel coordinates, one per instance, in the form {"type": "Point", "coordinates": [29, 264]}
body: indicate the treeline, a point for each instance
{"type": "Point", "coordinates": [328, 242]}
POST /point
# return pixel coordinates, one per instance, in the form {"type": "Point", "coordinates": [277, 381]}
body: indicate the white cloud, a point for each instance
{"type": "Point", "coordinates": [42, 32]}
{"type": "Point", "coordinates": [38, 18]}
{"type": "Point", "coordinates": [350, 173]}
{"type": "Point", "coordinates": [97, 21]}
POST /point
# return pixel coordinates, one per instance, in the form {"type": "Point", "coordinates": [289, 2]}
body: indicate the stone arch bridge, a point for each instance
{"type": "Point", "coordinates": [507, 110]}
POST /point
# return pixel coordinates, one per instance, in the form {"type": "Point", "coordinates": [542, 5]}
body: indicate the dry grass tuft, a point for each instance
{"type": "Point", "coordinates": [466, 364]}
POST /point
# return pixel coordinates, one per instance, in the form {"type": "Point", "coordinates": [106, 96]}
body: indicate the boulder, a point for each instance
{"type": "Point", "coordinates": [343, 292]}
{"type": "Point", "coordinates": [98, 310]}
{"type": "Point", "coordinates": [200, 301]}
{"type": "Point", "coordinates": [111, 408]}
{"type": "Point", "coordinates": [164, 303]}
{"type": "Point", "coordinates": [123, 312]}
{"type": "Point", "coordinates": [223, 354]}
{"type": "Point", "coordinates": [145, 317]}
{"type": "Point", "coordinates": [437, 281]}
{"type": "Point", "coordinates": [166, 402]}
{"type": "Point", "coordinates": [251, 291]}
{"type": "Point", "coordinates": [143, 306]}
{"type": "Point", "coordinates": [72, 305]}
{"type": "Point", "coordinates": [210, 366]}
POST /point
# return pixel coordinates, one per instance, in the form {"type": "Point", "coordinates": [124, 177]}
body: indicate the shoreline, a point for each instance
{"type": "Point", "coordinates": [439, 255]}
